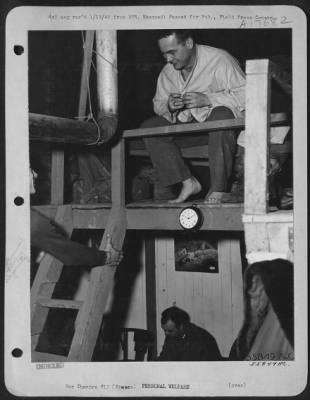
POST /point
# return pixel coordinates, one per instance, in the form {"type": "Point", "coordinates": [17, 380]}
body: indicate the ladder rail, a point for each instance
{"type": "Point", "coordinates": [89, 320]}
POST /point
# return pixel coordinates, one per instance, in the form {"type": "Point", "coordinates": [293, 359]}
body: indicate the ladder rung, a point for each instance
{"type": "Point", "coordinates": [59, 303]}
{"type": "Point", "coordinates": [47, 357]}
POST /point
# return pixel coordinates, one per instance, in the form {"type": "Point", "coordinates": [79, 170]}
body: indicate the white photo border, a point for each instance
{"type": "Point", "coordinates": [24, 378]}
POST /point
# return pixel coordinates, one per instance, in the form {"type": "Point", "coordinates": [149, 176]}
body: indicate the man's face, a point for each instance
{"type": "Point", "coordinates": [171, 330]}
{"type": "Point", "coordinates": [179, 54]}
{"type": "Point", "coordinates": [32, 177]}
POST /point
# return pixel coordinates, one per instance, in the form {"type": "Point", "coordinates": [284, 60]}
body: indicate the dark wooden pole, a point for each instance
{"type": "Point", "coordinates": [150, 282]}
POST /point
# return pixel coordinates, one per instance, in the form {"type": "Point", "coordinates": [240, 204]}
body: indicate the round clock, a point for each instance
{"type": "Point", "coordinates": [191, 218]}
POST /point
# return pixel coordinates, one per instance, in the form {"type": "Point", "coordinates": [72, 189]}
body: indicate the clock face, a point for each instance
{"type": "Point", "coordinates": [189, 218]}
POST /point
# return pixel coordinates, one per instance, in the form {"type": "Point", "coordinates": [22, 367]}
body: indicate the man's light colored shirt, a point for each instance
{"type": "Point", "coordinates": [216, 73]}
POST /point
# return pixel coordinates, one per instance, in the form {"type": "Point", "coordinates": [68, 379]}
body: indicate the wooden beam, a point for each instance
{"type": "Point", "coordinates": [257, 136]}
{"type": "Point", "coordinates": [171, 130]}
{"type": "Point", "coordinates": [162, 218]}
{"type": "Point", "coordinates": [156, 216]}
{"type": "Point", "coordinates": [152, 216]}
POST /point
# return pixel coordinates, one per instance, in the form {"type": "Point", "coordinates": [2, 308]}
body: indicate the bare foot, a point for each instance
{"type": "Point", "coordinates": [214, 198]}
{"type": "Point", "coordinates": [189, 187]}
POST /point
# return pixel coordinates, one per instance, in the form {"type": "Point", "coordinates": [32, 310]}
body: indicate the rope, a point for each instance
{"type": "Point", "coordinates": [106, 60]}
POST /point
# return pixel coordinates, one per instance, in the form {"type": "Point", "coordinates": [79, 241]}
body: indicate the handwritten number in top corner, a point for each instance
{"type": "Point", "coordinates": [284, 20]}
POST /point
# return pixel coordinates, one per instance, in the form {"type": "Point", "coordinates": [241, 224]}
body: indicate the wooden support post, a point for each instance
{"type": "Point", "coordinates": [88, 52]}
{"type": "Point", "coordinates": [266, 233]}
{"type": "Point", "coordinates": [231, 294]}
{"type": "Point", "coordinates": [257, 123]}
{"type": "Point", "coordinates": [57, 177]}
{"type": "Point", "coordinates": [118, 174]}
{"type": "Point", "coordinates": [237, 304]}
{"type": "Point", "coordinates": [150, 284]}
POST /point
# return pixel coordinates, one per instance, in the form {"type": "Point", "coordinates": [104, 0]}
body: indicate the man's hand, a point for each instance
{"type": "Point", "coordinates": [195, 100]}
{"type": "Point", "coordinates": [113, 256]}
{"type": "Point", "coordinates": [175, 102]}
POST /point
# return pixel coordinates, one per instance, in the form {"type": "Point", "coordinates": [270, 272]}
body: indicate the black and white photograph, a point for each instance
{"type": "Point", "coordinates": [155, 187]}
{"type": "Point", "coordinates": [196, 255]}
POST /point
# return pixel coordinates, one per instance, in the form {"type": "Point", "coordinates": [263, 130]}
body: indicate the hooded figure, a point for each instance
{"type": "Point", "coordinates": [268, 328]}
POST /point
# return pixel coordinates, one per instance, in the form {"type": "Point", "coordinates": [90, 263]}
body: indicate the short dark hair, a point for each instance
{"type": "Point", "coordinates": [175, 315]}
{"type": "Point", "coordinates": [181, 34]}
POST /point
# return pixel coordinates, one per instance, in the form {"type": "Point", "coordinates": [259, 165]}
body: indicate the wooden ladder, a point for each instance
{"type": "Point", "coordinates": [90, 311]}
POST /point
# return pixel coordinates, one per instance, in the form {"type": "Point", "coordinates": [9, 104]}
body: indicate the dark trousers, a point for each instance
{"type": "Point", "coordinates": [168, 161]}
{"type": "Point", "coordinates": [47, 237]}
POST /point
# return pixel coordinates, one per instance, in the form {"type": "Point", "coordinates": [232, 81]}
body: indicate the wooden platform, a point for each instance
{"type": "Point", "coordinates": [159, 215]}
{"type": "Point", "coordinates": [153, 215]}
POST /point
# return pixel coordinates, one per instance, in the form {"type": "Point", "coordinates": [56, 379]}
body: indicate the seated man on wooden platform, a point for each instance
{"type": "Point", "coordinates": [198, 83]}
{"type": "Point", "coordinates": [48, 238]}
{"type": "Point", "coordinates": [185, 341]}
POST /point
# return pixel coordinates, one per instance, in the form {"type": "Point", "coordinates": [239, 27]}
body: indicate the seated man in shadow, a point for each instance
{"type": "Point", "coordinates": [185, 341]}
{"type": "Point", "coordinates": [268, 328]}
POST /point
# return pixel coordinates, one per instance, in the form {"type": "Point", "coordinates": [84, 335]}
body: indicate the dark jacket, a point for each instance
{"type": "Point", "coordinates": [47, 237]}
{"type": "Point", "coordinates": [196, 344]}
